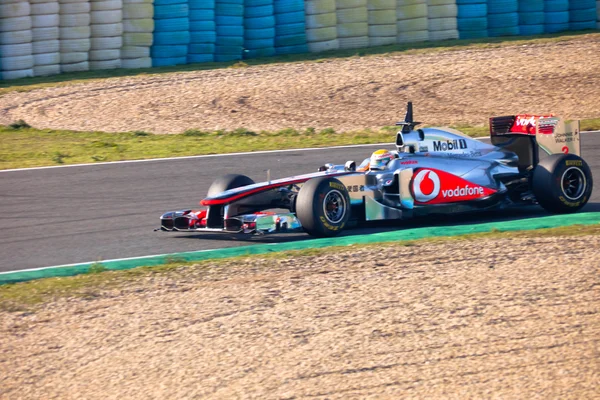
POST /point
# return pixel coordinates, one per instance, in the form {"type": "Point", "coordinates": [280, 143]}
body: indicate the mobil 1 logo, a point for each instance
{"type": "Point", "coordinates": [448, 145]}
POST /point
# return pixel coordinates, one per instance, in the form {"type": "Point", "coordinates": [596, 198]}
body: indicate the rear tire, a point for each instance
{"type": "Point", "coordinates": [227, 182]}
{"type": "Point", "coordinates": [562, 183]}
{"type": "Point", "coordinates": [323, 207]}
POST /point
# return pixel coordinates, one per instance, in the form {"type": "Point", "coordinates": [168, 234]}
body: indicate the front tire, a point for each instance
{"type": "Point", "coordinates": [323, 207]}
{"type": "Point", "coordinates": [562, 183]}
{"type": "Point", "coordinates": [226, 182]}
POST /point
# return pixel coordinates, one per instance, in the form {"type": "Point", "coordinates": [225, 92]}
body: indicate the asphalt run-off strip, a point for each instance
{"type": "Point", "coordinates": [394, 236]}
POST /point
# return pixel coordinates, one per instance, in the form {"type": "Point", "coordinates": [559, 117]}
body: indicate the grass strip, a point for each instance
{"type": "Point", "coordinates": [24, 296]}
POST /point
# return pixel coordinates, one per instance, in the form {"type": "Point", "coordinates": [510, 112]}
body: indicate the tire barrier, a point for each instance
{"type": "Point", "coordinates": [412, 21]}
{"type": "Point", "coordinates": [442, 19]}
{"type": "Point", "coordinates": [290, 27]}
{"type": "Point", "coordinates": [598, 14]}
{"type": "Point", "coordinates": [383, 28]}
{"type": "Point", "coordinates": [582, 14]}
{"type": "Point", "coordinates": [321, 25]}
{"type": "Point", "coordinates": [138, 28]}
{"type": "Point", "coordinates": [171, 33]}
{"type": "Point", "coordinates": [106, 28]}
{"type": "Point", "coordinates": [229, 18]}
{"type": "Point", "coordinates": [472, 19]}
{"type": "Point", "coordinates": [16, 39]}
{"type": "Point", "coordinates": [556, 16]}
{"type": "Point", "coordinates": [352, 23]}
{"type": "Point", "coordinates": [74, 35]}
{"type": "Point", "coordinates": [203, 34]}
{"type": "Point", "coordinates": [503, 18]}
{"type": "Point", "coordinates": [45, 34]}
{"type": "Point", "coordinates": [259, 28]}
{"type": "Point", "coordinates": [531, 17]}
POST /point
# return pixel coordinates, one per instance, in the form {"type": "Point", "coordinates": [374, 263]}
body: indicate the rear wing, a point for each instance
{"type": "Point", "coordinates": [552, 134]}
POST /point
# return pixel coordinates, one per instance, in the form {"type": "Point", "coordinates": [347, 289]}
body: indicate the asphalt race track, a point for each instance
{"type": "Point", "coordinates": [101, 212]}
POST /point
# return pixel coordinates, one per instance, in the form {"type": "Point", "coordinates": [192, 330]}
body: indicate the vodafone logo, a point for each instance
{"type": "Point", "coordinates": [426, 186]}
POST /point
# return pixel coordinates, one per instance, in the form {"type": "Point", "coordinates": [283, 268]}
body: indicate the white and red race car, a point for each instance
{"type": "Point", "coordinates": [532, 160]}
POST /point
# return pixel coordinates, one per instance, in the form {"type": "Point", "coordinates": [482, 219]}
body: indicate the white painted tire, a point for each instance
{"type": "Point", "coordinates": [45, 21]}
{"type": "Point", "coordinates": [107, 30]}
{"type": "Point", "coordinates": [11, 1]}
{"type": "Point", "coordinates": [444, 2]}
{"type": "Point", "coordinates": [442, 24]}
{"type": "Point", "coordinates": [354, 42]}
{"type": "Point", "coordinates": [383, 30]}
{"type": "Point", "coordinates": [414, 36]}
{"type": "Point", "coordinates": [312, 7]}
{"type": "Point", "coordinates": [446, 11]}
{"type": "Point", "coordinates": [13, 10]}
{"type": "Point", "coordinates": [138, 25]}
{"type": "Point", "coordinates": [443, 35]}
{"type": "Point", "coordinates": [46, 70]}
{"type": "Point", "coordinates": [72, 1]}
{"type": "Point", "coordinates": [321, 34]}
{"type": "Point", "coordinates": [105, 55]}
{"type": "Point", "coordinates": [356, 29]}
{"type": "Point", "coordinates": [138, 11]}
{"type": "Point", "coordinates": [15, 24]}
{"type": "Point", "coordinates": [106, 17]}
{"type": "Point", "coordinates": [45, 46]}
{"type": "Point", "coordinates": [75, 45]}
{"type": "Point", "coordinates": [16, 37]}
{"type": "Point", "coordinates": [342, 4]}
{"type": "Point", "coordinates": [317, 47]}
{"type": "Point", "coordinates": [382, 17]}
{"type": "Point", "coordinates": [134, 63]}
{"type": "Point", "coordinates": [415, 24]}
{"type": "Point", "coordinates": [46, 58]}
{"type": "Point", "coordinates": [75, 32]}
{"type": "Point", "coordinates": [16, 50]}
{"type": "Point", "coordinates": [321, 21]}
{"type": "Point", "coordinates": [137, 39]}
{"type": "Point", "coordinates": [68, 20]}
{"type": "Point", "coordinates": [106, 43]}
{"type": "Point", "coordinates": [40, 34]}
{"type": "Point", "coordinates": [22, 73]}
{"type": "Point", "coordinates": [75, 67]}
{"type": "Point", "coordinates": [129, 52]}
{"type": "Point", "coordinates": [138, 2]}
{"type": "Point", "coordinates": [109, 64]}
{"type": "Point", "coordinates": [107, 5]}
{"type": "Point", "coordinates": [17, 63]}
{"type": "Point", "coordinates": [350, 15]}
{"type": "Point", "coordinates": [74, 8]}
{"type": "Point", "coordinates": [382, 41]}
{"type": "Point", "coordinates": [382, 4]}
{"type": "Point", "coordinates": [410, 12]}
{"type": "Point", "coordinates": [49, 8]}
{"type": "Point", "coordinates": [74, 57]}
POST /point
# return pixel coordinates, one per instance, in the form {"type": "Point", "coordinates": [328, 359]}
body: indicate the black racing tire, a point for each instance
{"type": "Point", "coordinates": [562, 183]}
{"type": "Point", "coordinates": [323, 207]}
{"type": "Point", "coordinates": [226, 182]}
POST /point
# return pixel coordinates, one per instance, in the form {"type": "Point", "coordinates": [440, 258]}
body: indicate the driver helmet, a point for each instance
{"type": "Point", "coordinates": [380, 159]}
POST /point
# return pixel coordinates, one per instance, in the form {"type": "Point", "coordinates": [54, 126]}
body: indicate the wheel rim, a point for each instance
{"type": "Point", "coordinates": [334, 206]}
{"type": "Point", "coordinates": [573, 183]}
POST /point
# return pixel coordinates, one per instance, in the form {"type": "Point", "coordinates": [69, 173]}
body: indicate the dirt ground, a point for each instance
{"type": "Point", "coordinates": [466, 86]}
{"type": "Point", "coordinates": [499, 318]}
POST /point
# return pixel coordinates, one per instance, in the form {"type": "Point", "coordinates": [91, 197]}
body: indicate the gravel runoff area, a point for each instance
{"type": "Point", "coordinates": [448, 87]}
{"type": "Point", "coordinates": [493, 318]}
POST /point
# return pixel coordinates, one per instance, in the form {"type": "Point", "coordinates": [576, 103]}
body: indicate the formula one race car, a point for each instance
{"type": "Point", "coordinates": [432, 171]}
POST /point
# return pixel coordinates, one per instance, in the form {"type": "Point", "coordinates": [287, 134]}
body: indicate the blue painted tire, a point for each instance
{"type": "Point", "coordinates": [506, 31]}
{"type": "Point", "coordinates": [204, 48]}
{"type": "Point", "coordinates": [230, 30]}
{"type": "Point", "coordinates": [202, 15]}
{"type": "Point", "coordinates": [556, 5]}
{"type": "Point", "coordinates": [200, 58]}
{"type": "Point", "coordinates": [259, 33]}
{"type": "Point", "coordinates": [582, 4]}
{"type": "Point", "coordinates": [257, 3]}
{"type": "Point", "coordinates": [288, 6]}
{"type": "Point", "coordinates": [290, 18]}
{"type": "Point", "coordinates": [227, 57]}
{"type": "Point", "coordinates": [260, 53]}
{"type": "Point", "coordinates": [532, 18]}
{"type": "Point", "coordinates": [290, 40]}
{"type": "Point", "coordinates": [241, 2]}
{"type": "Point", "coordinates": [581, 26]}
{"type": "Point", "coordinates": [257, 12]}
{"type": "Point", "coordinates": [202, 4]}
{"type": "Point", "coordinates": [556, 18]}
{"type": "Point", "coordinates": [502, 6]}
{"type": "Point", "coordinates": [459, 2]}
{"type": "Point", "coordinates": [169, 2]}
{"type": "Point", "coordinates": [472, 11]}
{"type": "Point", "coordinates": [229, 20]}
{"type": "Point", "coordinates": [169, 51]}
{"type": "Point", "coordinates": [472, 24]}
{"type": "Point", "coordinates": [291, 29]}
{"type": "Point", "coordinates": [230, 41]}
{"type": "Point", "coordinates": [230, 10]}
{"type": "Point", "coordinates": [531, 30]}
{"type": "Point", "coordinates": [259, 23]}
{"type": "Point", "coordinates": [258, 43]}
{"type": "Point", "coordinates": [202, 26]}
{"type": "Point", "coordinates": [166, 62]}
{"type": "Point", "coordinates": [582, 15]}
{"type": "Point", "coordinates": [180, 37]}
{"type": "Point", "coordinates": [171, 11]}
{"type": "Point", "coordinates": [473, 34]}
{"type": "Point", "coordinates": [229, 50]}
{"type": "Point", "coordinates": [503, 20]}
{"type": "Point", "coordinates": [172, 25]}
{"type": "Point", "coordinates": [299, 49]}
{"type": "Point", "coordinates": [203, 37]}
{"type": "Point", "coordinates": [528, 6]}
{"type": "Point", "coordinates": [555, 28]}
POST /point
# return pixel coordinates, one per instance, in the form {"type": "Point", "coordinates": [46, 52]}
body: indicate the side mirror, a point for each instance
{"type": "Point", "coordinates": [350, 166]}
